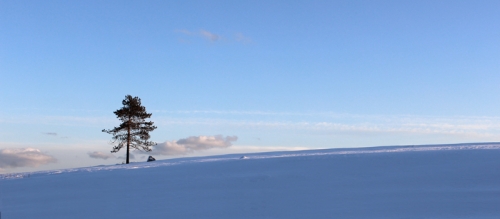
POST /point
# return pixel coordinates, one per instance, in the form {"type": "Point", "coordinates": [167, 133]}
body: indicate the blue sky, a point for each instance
{"type": "Point", "coordinates": [278, 75]}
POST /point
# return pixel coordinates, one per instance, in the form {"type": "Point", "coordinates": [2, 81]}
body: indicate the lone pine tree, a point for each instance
{"type": "Point", "coordinates": [134, 130]}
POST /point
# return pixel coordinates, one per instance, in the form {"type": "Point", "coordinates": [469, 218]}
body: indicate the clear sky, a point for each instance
{"type": "Point", "coordinates": [278, 75]}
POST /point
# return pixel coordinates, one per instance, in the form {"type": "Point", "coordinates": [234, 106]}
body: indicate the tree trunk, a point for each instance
{"type": "Point", "coordinates": [128, 139]}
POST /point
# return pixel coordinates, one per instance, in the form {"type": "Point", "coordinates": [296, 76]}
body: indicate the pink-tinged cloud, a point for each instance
{"type": "Point", "coordinates": [24, 157]}
{"type": "Point", "coordinates": [193, 144]}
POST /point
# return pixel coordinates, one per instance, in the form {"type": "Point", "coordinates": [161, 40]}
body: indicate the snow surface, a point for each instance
{"type": "Point", "coordinates": [434, 181]}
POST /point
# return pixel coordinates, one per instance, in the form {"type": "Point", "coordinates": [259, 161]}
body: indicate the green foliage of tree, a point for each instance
{"type": "Point", "coordinates": [134, 129]}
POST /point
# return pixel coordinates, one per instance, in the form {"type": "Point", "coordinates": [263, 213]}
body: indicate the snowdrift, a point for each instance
{"type": "Point", "coordinates": [434, 181]}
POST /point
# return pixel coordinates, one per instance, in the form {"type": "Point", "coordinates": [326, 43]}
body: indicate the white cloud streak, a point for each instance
{"type": "Point", "coordinates": [183, 31]}
{"type": "Point", "coordinates": [100, 155]}
{"type": "Point", "coordinates": [482, 128]}
{"type": "Point", "coordinates": [210, 36]}
{"type": "Point", "coordinates": [479, 127]}
{"type": "Point", "coordinates": [193, 144]}
{"type": "Point", "coordinates": [23, 157]}
{"type": "Point", "coordinates": [242, 38]}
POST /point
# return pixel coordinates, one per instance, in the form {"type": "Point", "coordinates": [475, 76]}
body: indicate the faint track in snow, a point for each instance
{"type": "Point", "coordinates": [266, 155]}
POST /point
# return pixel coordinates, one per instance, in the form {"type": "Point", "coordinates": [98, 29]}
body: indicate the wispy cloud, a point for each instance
{"type": "Point", "coordinates": [210, 36]}
{"type": "Point", "coordinates": [193, 144]}
{"type": "Point", "coordinates": [50, 133]}
{"type": "Point", "coordinates": [60, 120]}
{"type": "Point", "coordinates": [23, 157]}
{"type": "Point", "coordinates": [183, 31]}
{"type": "Point", "coordinates": [204, 34]}
{"type": "Point", "coordinates": [324, 123]}
{"type": "Point", "coordinates": [100, 155]}
{"type": "Point", "coordinates": [469, 128]}
{"type": "Point", "coordinates": [242, 38]}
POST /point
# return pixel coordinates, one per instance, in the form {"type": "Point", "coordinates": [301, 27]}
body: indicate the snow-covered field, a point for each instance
{"type": "Point", "coordinates": [437, 181]}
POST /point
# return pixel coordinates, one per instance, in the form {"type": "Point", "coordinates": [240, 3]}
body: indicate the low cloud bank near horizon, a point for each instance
{"type": "Point", "coordinates": [24, 157]}
{"type": "Point", "coordinates": [100, 155]}
{"type": "Point", "coordinates": [193, 144]}
{"type": "Point", "coordinates": [130, 156]}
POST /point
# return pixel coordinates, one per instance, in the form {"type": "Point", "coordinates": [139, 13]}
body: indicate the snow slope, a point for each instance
{"type": "Point", "coordinates": [435, 181]}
